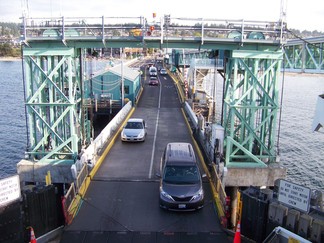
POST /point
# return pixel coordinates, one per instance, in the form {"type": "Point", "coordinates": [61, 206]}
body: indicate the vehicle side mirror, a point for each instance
{"type": "Point", "coordinates": [157, 174]}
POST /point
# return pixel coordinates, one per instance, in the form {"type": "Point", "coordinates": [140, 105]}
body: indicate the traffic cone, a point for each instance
{"type": "Point", "coordinates": [32, 235]}
{"type": "Point", "coordinates": [237, 237]}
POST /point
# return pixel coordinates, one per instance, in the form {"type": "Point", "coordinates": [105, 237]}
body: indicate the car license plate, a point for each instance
{"type": "Point", "coordinates": [182, 205]}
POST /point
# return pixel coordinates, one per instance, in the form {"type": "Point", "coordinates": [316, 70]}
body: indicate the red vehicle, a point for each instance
{"type": "Point", "coordinates": [153, 81]}
{"type": "Point", "coordinates": [149, 65]}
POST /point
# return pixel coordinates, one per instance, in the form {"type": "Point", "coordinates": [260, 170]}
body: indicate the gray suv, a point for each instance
{"type": "Point", "coordinates": [180, 178]}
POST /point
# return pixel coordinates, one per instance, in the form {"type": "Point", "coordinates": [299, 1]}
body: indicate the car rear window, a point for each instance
{"type": "Point", "coordinates": [134, 125]}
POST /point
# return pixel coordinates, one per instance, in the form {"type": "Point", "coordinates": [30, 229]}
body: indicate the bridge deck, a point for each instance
{"type": "Point", "coordinates": [138, 33]}
{"type": "Point", "coordinates": [121, 204]}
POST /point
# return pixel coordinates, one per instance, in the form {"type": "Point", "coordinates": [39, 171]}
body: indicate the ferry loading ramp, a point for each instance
{"type": "Point", "coordinates": [122, 201]}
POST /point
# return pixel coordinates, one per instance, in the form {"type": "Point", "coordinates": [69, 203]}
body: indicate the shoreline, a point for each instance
{"type": "Point", "coordinates": [9, 59]}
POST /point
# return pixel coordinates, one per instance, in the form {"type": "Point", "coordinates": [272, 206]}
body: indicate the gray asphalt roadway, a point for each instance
{"type": "Point", "coordinates": [121, 204]}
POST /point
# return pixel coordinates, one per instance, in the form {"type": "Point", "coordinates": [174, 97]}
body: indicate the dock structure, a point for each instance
{"type": "Point", "coordinates": [54, 54]}
{"type": "Point", "coordinates": [241, 154]}
{"type": "Point", "coordinates": [304, 55]}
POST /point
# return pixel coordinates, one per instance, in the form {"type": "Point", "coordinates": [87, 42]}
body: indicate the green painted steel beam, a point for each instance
{"type": "Point", "coordinates": [53, 84]}
{"type": "Point", "coordinates": [250, 107]}
{"type": "Point", "coordinates": [54, 100]}
{"type": "Point", "coordinates": [219, 44]}
{"type": "Point", "coordinates": [305, 55]}
{"type": "Point", "coordinates": [45, 51]}
{"type": "Point", "coordinates": [241, 160]}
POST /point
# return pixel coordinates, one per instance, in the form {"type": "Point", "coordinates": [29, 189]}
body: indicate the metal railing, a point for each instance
{"type": "Point", "coordinates": [78, 27]}
{"type": "Point", "coordinates": [67, 204]}
{"type": "Point", "coordinates": [218, 186]}
{"type": "Point", "coordinates": [71, 199]}
{"type": "Point", "coordinates": [207, 63]}
{"type": "Point", "coordinates": [138, 28]}
{"type": "Point", "coordinates": [82, 175]}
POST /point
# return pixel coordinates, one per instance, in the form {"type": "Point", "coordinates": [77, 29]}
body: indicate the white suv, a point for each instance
{"type": "Point", "coordinates": [153, 71]}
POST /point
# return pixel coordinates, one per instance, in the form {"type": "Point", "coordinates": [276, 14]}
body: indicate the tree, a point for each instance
{"type": "Point", "coordinates": [9, 29]}
{"type": "Point", "coordinates": [6, 50]}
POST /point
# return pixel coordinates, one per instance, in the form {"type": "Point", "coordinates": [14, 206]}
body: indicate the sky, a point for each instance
{"type": "Point", "coordinates": [301, 15]}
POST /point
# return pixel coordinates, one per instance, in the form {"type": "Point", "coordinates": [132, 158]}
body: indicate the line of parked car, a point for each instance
{"type": "Point", "coordinates": [153, 72]}
{"type": "Point", "coordinates": [154, 81]}
{"type": "Point", "coordinates": [180, 178]}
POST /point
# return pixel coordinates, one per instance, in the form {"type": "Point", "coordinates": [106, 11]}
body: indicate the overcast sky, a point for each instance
{"type": "Point", "coordinates": [300, 14]}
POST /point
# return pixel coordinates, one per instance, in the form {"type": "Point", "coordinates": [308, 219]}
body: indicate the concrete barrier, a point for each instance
{"type": "Point", "coordinates": [91, 154]}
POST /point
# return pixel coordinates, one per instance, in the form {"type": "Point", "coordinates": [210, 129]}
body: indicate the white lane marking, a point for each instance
{"type": "Point", "coordinates": [155, 132]}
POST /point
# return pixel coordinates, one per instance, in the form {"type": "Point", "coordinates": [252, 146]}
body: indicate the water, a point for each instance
{"type": "Point", "coordinates": [301, 150]}
{"type": "Point", "coordinates": [12, 117]}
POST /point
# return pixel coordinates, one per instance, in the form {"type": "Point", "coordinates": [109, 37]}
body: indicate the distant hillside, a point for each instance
{"type": "Point", "coordinates": [8, 33]}
{"type": "Point", "coordinates": [9, 30]}
{"type": "Point", "coordinates": [294, 33]}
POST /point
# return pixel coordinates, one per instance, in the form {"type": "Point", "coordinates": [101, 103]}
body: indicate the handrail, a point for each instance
{"type": "Point", "coordinates": [107, 28]}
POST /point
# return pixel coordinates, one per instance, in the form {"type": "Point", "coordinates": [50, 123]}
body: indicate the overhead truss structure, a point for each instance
{"type": "Point", "coordinates": [250, 107]}
{"type": "Point", "coordinates": [53, 72]}
{"type": "Point", "coordinates": [305, 55]}
{"type": "Point", "coordinates": [56, 119]}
